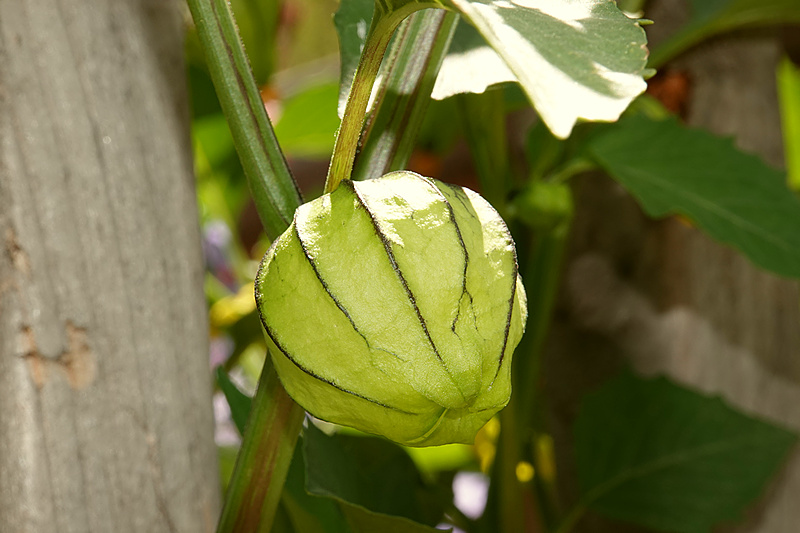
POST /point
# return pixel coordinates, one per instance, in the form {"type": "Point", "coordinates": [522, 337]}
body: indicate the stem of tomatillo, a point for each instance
{"type": "Point", "coordinates": [347, 137]}
{"type": "Point", "coordinates": [385, 21]}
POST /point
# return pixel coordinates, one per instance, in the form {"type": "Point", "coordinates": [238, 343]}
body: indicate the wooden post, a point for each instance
{"type": "Point", "coordinates": [105, 413]}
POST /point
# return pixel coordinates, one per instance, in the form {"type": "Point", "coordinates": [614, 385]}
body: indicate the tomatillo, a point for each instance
{"type": "Point", "coordinates": [393, 306]}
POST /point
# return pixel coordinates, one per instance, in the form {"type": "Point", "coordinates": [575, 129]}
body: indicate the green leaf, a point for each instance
{"type": "Point", "coordinates": [364, 521]}
{"type": "Point", "coordinates": [308, 122]}
{"type": "Point", "coordinates": [471, 66]}
{"type": "Point", "coordinates": [789, 98]}
{"type": "Point", "coordinates": [712, 17]}
{"type": "Point", "coordinates": [654, 453]}
{"type": "Point", "coordinates": [238, 401]}
{"type": "Point", "coordinates": [574, 59]}
{"type": "Point", "coordinates": [733, 196]}
{"type": "Point", "coordinates": [369, 473]}
{"type": "Point", "coordinates": [311, 512]}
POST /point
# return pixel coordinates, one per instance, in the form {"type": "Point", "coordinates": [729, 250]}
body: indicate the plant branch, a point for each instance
{"type": "Point", "coordinates": [542, 275]}
{"type": "Point", "coordinates": [416, 54]}
{"type": "Point", "coordinates": [263, 461]}
{"type": "Point", "coordinates": [344, 148]}
{"type": "Point", "coordinates": [275, 419]}
{"type": "Point", "coordinates": [385, 20]}
{"type": "Point", "coordinates": [274, 190]}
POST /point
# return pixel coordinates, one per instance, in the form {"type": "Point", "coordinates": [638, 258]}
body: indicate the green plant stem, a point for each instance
{"type": "Point", "coordinates": [275, 419]}
{"type": "Point", "coordinates": [572, 168]}
{"type": "Point", "coordinates": [385, 20]}
{"type": "Point", "coordinates": [263, 461]}
{"type": "Point", "coordinates": [274, 190]}
{"type": "Point", "coordinates": [511, 519]}
{"type": "Point", "coordinates": [413, 62]}
{"type": "Point", "coordinates": [542, 275]}
{"type": "Point", "coordinates": [484, 118]}
{"type": "Point", "coordinates": [344, 148]}
{"type": "Point", "coordinates": [521, 420]}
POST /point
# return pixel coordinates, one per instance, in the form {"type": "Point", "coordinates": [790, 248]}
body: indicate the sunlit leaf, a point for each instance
{"type": "Point", "coordinates": [576, 60]}
{"type": "Point", "coordinates": [471, 65]}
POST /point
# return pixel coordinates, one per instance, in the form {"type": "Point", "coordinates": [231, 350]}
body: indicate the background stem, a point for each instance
{"type": "Point", "coordinates": [484, 117]}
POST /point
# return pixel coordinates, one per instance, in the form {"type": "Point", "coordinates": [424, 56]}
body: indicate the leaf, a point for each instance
{"type": "Point", "coordinates": [471, 66]}
{"type": "Point", "coordinates": [733, 196]}
{"type": "Point", "coordinates": [238, 401]}
{"type": "Point", "coordinates": [654, 453]}
{"type": "Point", "coordinates": [364, 521]}
{"type": "Point", "coordinates": [308, 123]}
{"type": "Point", "coordinates": [789, 98]}
{"type": "Point", "coordinates": [369, 473]}
{"type": "Point", "coordinates": [574, 59]}
{"type": "Point", "coordinates": [309, 514]}
{"type": "Point", "coordinates": [712, 17]}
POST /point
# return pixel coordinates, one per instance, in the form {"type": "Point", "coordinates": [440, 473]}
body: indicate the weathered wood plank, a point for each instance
{"type": "Point", "coordinates": [105, 416]}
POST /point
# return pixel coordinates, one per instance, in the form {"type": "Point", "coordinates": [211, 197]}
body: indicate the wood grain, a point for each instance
{"type": "Point", "coordinates": [105, 414]}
